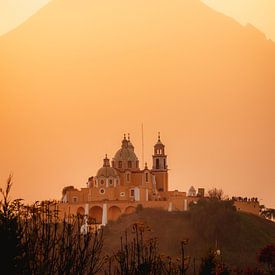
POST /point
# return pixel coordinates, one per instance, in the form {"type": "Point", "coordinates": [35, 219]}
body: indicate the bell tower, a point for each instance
{"type": "Point", "coordinates": [160, 168]}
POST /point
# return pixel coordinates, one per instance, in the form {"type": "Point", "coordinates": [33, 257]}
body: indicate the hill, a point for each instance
{"type": "Point", "coordinates": [239, 236]}
{"type": "Point", "coordinates": [79, 70]}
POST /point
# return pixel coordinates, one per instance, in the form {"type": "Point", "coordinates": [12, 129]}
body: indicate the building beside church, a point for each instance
{"type": "Point", "coordinates": [121, 185]}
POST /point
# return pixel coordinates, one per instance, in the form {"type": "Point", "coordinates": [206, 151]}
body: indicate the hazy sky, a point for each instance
{"type": "Point", "coordinates": [80, 73]}
{"type": "Point", "coordinates": [260, 13]}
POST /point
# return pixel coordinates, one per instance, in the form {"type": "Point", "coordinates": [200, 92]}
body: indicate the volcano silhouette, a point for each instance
{"type": "Point", "coordinates": [78, 74]}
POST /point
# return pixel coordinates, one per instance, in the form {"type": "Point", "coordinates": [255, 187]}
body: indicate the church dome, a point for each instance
{"type": "Point", "coordinates": [106, 171]}
{"type": "Point", "coordinates": [126, 152]}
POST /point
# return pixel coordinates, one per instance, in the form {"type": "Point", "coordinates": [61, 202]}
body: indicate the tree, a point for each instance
{"type": "Point", "coordinates": [212, 265]}
{"type": "Point", "coordinates": [208, 264]}
{"type": "Point", "coordinates": [10, 233]}
{"type": "Point", "coordinates": [267, 256]}
{"type": "Point", "coordinates": [35, 241]}
{"type": "Point", "coordinates": [215, 193]}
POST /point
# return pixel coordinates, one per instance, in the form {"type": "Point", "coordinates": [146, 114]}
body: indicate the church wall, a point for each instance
{"type": "Point", "coordinates": [161, 180]}
{"type": "Point", "coordinates": [250, 207]}
{"type": "Point", "coordinates": [76, 196]}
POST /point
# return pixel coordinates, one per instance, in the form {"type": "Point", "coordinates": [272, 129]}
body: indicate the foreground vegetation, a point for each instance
{"type": "Point", "coordinates": [34, 241]}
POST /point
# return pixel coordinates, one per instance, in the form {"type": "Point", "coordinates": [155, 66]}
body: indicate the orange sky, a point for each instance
{"type": "Point", "coordinates": [79, 74]}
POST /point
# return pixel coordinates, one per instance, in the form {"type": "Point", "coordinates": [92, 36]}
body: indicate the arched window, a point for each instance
{"type": "Point", "coordinates": [102, 182]}
{"type": "Point", "coordinates": [120, 164]}
{"type": "Point", "coordinates": [129, 164]}
{"type": "Point", "coordinates": [110, 182]}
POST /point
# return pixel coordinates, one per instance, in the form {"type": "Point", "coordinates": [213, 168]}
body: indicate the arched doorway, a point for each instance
{"type": "Point", "coordinates": [113, 213]}
{"type": "Point", "coordinates": [130, 209]}
{"type": "Point", "coordinates": [95, 214]}
{"type": "Point", "coordinates": [80, 211]}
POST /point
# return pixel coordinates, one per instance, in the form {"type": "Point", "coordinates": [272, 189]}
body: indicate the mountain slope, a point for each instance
{"type": "Point", "coordinates": [78, 74]}
{"type": "Point", "coordinates": [240, 242]}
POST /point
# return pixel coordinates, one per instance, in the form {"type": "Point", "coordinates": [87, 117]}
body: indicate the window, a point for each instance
{"type": "Point", "coordinates": [120, 164]}
{"type": "Point", "coordinates": [75, 199]}
{"type": "Point", "coordinates": [132, 192]}
{"type": "Point", "coordinates": [157, 163]}
{"type": "Point", "coordinates": [110, 182]}
{"type": "Point", "coordinates": [102, 191]}
{"type": "Point", "coordinates": [129, 164]}
{"type": "Point", "coordinates": [146, 177]}
{"type": "Point", "coordinates": [122, 194]}
{"type": "Point", "coordinates": [102, 182]}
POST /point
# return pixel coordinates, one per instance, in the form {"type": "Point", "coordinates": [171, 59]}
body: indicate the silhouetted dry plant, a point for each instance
{"type": "Point", "coordinates": [39, 243]}
{"type": "Point", "coordinates": [141, 256]}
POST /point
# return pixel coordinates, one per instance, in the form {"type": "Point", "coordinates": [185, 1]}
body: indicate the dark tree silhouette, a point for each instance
{"type": "Point", "coordinates": [35, 241]}
{"type": "Point", "coordinates": [267, 257]}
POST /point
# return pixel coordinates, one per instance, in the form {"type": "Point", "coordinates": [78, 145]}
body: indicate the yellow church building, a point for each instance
{"type": "Point", "coordinates": [120, 186]}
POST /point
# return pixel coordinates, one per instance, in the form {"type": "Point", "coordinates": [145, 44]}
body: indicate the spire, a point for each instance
{"type": "Point", "coordinates": [158, 136]}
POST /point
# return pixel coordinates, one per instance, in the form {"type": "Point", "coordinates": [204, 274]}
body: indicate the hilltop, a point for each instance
{"type": "Point", "coordinates": [78, 73]}
{"type": "Point", "coordinates": [238, 235]}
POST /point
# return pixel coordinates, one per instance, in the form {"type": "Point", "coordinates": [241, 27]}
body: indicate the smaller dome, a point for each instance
{"type": "Point", "coordinates": [130, 144]}
{"type": "Point", "coordinates": [106, 171]}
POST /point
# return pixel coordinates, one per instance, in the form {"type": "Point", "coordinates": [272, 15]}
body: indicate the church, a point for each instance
{"type": "Point", "coordinates": [120, 185]}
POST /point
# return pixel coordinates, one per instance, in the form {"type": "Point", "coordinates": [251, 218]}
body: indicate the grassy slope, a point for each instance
{"type": "Point", "coordinates": [240, 239]}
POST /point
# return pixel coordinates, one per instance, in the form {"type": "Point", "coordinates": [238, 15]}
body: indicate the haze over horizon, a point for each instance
{"type": "Point", "coordinates": [261, 14]}
{"type": "Point", "coordinates": [76, 77]}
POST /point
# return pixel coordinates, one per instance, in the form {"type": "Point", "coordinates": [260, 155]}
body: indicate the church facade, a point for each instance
{"type": "Point", "coordinates": [120, 185]}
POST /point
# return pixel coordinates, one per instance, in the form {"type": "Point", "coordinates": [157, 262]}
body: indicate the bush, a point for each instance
{"type": "Point", "coordinates": [35, 241]}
